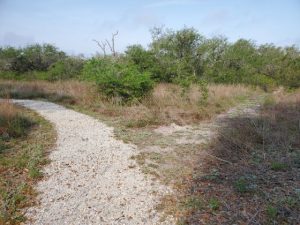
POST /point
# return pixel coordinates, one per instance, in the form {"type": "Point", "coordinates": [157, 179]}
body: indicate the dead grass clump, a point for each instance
{"type": "Point", "coordinates": [7, 110]}
{"type": "Point", "coordinates": [12, 123]}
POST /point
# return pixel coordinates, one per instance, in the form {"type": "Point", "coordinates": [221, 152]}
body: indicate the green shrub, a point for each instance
{"type": "Point", "coordinates": [118, 78]}
{"type": "Point", "coordinates": [263, 81]}
{"type": "Point", "coordinates": [70, 67]}
{"type": "Point", "coordinates": [9, 75]}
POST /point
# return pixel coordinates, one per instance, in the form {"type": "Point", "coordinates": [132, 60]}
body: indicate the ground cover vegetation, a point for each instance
{"type": "Point", "coordinates": [253, 177]}
{"type": "Point", "coordinates": [25, 139]}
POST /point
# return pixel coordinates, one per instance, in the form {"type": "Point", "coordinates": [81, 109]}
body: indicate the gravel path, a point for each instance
{"type": "Point", "coordinates": [91, 178]}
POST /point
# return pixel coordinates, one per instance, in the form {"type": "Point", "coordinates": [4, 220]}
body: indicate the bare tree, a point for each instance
{"type": "Point", "coordinates": [112, 44]}
{"type": "Point", "coordinates": [102, 45]}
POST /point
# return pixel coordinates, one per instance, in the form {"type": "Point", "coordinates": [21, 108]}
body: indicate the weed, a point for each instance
{"type": "Point", "coordinates": [269, 101]}
{"type": "Point", "coordinates": [278, 166]}
{"type": "Point", "coordinates": [241, 185]}
{"type": "Point", "coordinates": [214, 204]}
{"type": "Point", "coordinates": [12, 123]}
{"type": "Point", "coordinates": [156, 157]}
{"type": "Point", "coordinates": [11, 201]}
{"type": "Point", "coordinates": [271, 212]}
{"type": "Point", "coordinates": [291, 201]}
{"type": "Point", "coordinates": [213, 175]}
{"type": "Point", "coordinates": [194, 203]}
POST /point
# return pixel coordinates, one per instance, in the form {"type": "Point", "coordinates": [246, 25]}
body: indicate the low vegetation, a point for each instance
{"type": "Point", "coordinates": [25, 139]}
{"type": "Point", "coordinates": [165, 104]}
{"type": "Point", "coordinates": [254, 176]}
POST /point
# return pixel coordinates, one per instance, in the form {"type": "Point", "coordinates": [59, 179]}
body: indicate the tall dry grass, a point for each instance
{"type": "Point", "coordinates": [8, 110]}
{"type": "Point", "coordinates": [12, 123]}
{"type": "Point", "coordinates": [166, 104]}
{"type": "Point", "coordinates": [73, 91]}
{"type": "Point", "coordinates": [170, 103]}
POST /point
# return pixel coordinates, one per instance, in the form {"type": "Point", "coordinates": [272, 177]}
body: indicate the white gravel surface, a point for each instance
{"type": "Point", "coordinates": [91, 178]}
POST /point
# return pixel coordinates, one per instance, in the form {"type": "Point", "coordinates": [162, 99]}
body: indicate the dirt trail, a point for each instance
{"type": "Point", "coordinates": [203, 132]}
{"type": "Point", "coordinates": [91, 178]}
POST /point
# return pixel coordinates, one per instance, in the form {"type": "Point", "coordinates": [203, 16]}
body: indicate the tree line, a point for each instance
{"type": "Point", "coordinates": [179, 56]}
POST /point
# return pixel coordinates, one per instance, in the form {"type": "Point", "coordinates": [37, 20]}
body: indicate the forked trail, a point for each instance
{"type": "Point", "coordinates": [91, 178]}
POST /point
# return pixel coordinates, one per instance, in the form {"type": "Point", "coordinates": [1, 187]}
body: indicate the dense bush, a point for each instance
{"type": "Point", "coordinates": [175, 53]}
{"type": "Point", "coordinates": [185, 55]}
{"type": "Point", "coordinates": [70, 67]}
{"type": "Point", "coordinates": [44, 62]}
{"type": "Point", "coordinates": [33, 57]}
{"type": "Point", "coordinates": [118, 78]}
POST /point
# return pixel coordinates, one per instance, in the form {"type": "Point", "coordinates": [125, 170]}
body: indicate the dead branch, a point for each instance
{"type": "Point", "coordinates": [102, 45]}
{"type": "Point", "coordinates": [223, 160]}
{"type": "Point", "coordinates": [112, 44]}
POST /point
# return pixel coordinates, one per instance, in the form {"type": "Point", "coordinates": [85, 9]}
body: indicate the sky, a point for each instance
{"type": "Point", "coordinates": [71, 25]}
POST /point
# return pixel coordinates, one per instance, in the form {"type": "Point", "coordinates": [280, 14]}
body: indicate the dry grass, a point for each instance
{"type": "Point", "coordinates": [12, 123]}
{"type": "Point", "coordinates": [7, 110]}
{"type": "Point", "coordinates": [257, 180]}
{"type": "Point", "coordinates": [69, 92]}
{"type": "Point", "coordinates": [169, 104]}
{"type": "Point", "coordinates": [166, 104]}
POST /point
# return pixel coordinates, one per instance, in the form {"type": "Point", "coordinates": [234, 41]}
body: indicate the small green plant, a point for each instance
{"type": "Point", "coordinates": [241, 185]}
{"type": "Point", "coordinates": [214, 204]}
{"type": "Point", "coordinates": [278, 166]}
{"type": "Point", "coordinates": [34, 173]}
{"type": "Point", "coordinates": [271, 212]}
{"type": "Point", "coordinates": [194, 203]}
